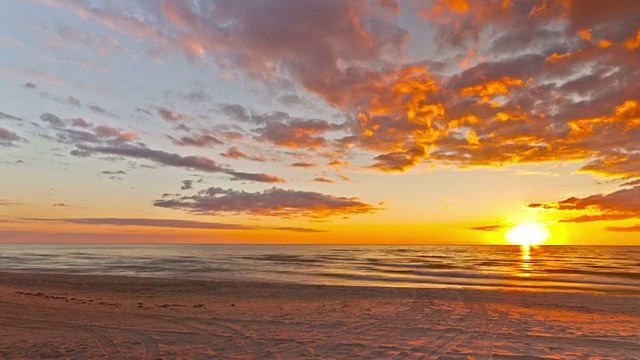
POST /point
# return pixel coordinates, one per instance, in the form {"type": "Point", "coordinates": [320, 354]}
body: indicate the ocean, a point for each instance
{"type": "Point", "coordinates": [609, 269]}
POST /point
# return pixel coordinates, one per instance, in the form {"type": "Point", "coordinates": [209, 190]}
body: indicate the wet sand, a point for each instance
{"type": "Point", "coordinates": [112, 317]}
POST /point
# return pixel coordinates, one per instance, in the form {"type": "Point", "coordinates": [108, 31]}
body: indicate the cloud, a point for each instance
{"type": "Point", "coordinates": [29, 85]}
{"type": "Point", "coordinates": [510, 82]}
{"type": "Point", "coordinates": [304, 165]}
{"type": "Point", "coordinates": [295, 133]}
{"type": "Point", "coordinates": [234, 153]}
{"type": "Point", "coordinates": [9, 117]}
{"type": "Point", "coordinates": [323, 180]}
{"type": "Point", "coordinates": [119, 172]}
{"type": "Point", "coordinates": [80, 122]}
{"type": "Point", "coordinates": [9, 138]}
{"type": "Point", "coordinates": [201, 140]}
{"type": "Point", "coordinates": [619, 205]}
{"type": "Point", "coordinates": [52, 119]}
{"type": "Point", "coordinates": [100, 134]}
{"type": "Point", "coordinates": [169, 223]}
{"type": "Point", "coordinates": [102, 111]}
{"type": "Point", "coordinates": [70, 100]}
{"type": "Point", "coordinates": [63, 37]}
{"type": "Point", "coordinates": [633, 228]}
{"type": "Point", "coordinates": [195, 96]}
{"type": "Point", "coordinates": [281, 129]}
{"type": "Point", "coordinates": [92, 134]}
{"type": "Point", "coordinates": [337, 163]}
{"type": "Point", "coordinates": [172, 159]}
{"type": "Point", "coordinates": [187, 185]}
{"type": "Point", "coordinates": [170, 115]}
{"type": "Point", "coordinates": [237, 175]}
{"type": "Point", "coordinates": [291, 100]}
{"type": "Point", "coordinates": [271, 202]}
{"type": "Point", "coordinates": [488, 228]}
{"type": "Point", "coordinates": [399, 160]}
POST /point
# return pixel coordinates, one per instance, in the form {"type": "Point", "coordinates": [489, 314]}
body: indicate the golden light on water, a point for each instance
{"type": "Point", "coordinates": [527, 234]}
{"type": "Point", "coordinates": [525, 264]}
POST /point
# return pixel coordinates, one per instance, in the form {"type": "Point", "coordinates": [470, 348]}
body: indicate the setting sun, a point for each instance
{"type": "Point", "coordinates": [527, 234]}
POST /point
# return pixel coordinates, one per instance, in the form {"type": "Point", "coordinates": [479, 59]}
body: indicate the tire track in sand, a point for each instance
{"type": "Point", "coordinates": [488, 338]}
{"type": "Point", "coordinates": [476, 316]}
{"type": "Point", "coordinates": [363, 327]}
{"type": "Point", "coordinates": [97, 332]}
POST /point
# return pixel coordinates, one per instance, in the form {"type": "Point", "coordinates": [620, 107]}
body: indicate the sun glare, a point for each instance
{"type": "Point", "coordinates": [527, 234]}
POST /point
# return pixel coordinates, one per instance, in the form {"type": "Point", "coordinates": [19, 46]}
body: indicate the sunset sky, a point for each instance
{"type": "Point", "coordinates": [319, 121]}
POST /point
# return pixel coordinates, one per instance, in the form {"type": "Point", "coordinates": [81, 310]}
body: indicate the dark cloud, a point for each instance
{"type": "Point", "coordinates": [235, 112]}
{"type": "Point", "coordinates": [488, 228]}
{"type": "Point", "coordinates": [171, 223]}
{"type": "Point", "coordinates": [9, 116]}
{"type": "Point", "coordinates": [172, 159]}
{"type": "Point", "coordinates": [94, 134]}
{"type": "Point", "coordinates": [60, 205]}
{"type": "Point", "coordinates": [29, 85]}
{"type": "Point", "coordinates": [271, 202]}
{"type": "Point", "coordinates": [237, 175]}
{"type": "Point", "coordinates": [102, 111]}
{"type": "Point", "coordinates": [187, 185]}
{"type": "Point", "coordinates": [159, 156]}
{"type": "Point", "coordinates": [201, 140]}
{"type": "Point", "coordinates": [291, 100]}
{"type": "Point", "coordinates": [195, 96]}
{"type": "Point", "coordinates": [234, 153]}
{"type": "Point", "coordinates": [144, 111]}
{"type": "Point", "coordinates": [631, 183]}
{"type": "Point", "coordinates": [618, 205]}
{"type": "Point", "coordinates": [74, 101]}
{"type": "Point", "coordinates": [70, 100]}
{"type": "Point", "coordinates": [80, 122]}
{"type": "Point", "coordinates": [633, 228]}
{"type": "Point", "coordinates": [52, 119]}
{"type": "Point", "coordinates": [119, 172]}
{"type": "Point", "coordinates": [303, 165]}
{"type": "Point", "coordinates": [101, 134]}
{"type": "Point", "coordinates": [168, 223]}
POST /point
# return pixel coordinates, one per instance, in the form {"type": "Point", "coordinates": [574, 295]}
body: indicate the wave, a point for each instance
{"type": "Point", "coordinates": [546, 268]}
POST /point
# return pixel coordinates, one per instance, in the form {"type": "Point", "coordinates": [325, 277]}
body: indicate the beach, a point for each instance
{"type": "Point", "coordinates": [117, 317]}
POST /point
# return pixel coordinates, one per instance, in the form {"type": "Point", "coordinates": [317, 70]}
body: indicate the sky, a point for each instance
{"type": "Point", "coordinates": [319, 121]}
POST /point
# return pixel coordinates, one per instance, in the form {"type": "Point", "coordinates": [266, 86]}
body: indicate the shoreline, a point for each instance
{"type": "Point", "coordinates": [615, 290]}
{"type": "Point", "coordinates": [107, 316]}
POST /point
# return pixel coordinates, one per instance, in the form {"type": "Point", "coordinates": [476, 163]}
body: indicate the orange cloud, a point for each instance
{"type": "Point", "coordinates": [489, 89]}
{"type": "Point", "coordinates": [533, 92]}
{"type": "Point", "coordinates": [633, 43]}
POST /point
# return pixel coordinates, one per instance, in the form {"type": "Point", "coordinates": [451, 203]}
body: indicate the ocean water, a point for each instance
{"type": "Point", "coordinates": [544, 268]}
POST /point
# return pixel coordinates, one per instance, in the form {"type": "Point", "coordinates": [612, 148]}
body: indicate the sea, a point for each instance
{"type": "Point", "coordinates": [599, 269]}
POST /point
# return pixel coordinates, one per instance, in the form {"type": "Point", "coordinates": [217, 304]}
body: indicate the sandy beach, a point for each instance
{"type": "Point", "coordinates": [110, 317]}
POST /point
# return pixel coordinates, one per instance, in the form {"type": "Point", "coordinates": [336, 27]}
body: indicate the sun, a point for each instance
{"type": "Point", "coordinates": [527, 234]}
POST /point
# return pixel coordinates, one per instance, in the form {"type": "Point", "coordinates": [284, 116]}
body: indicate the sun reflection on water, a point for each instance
{"type": "Point", "coordinates": [525, 263]}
